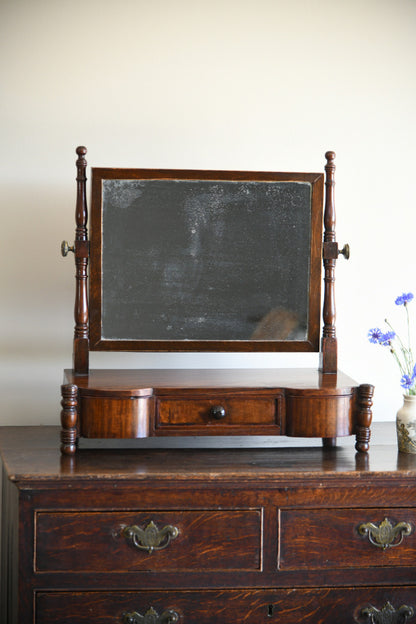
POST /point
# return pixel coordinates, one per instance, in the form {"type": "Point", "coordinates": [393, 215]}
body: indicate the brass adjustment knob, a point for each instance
{"type": "Point", "coordinates": [66, 248]}
{"type": "Point", "coordinates": [217, 411]}
{"type": "Point", "coordinates": [345, 251]}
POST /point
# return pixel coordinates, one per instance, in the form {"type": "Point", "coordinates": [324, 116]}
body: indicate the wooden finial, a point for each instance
{"type": "Point", "coordinates": [328, 155]}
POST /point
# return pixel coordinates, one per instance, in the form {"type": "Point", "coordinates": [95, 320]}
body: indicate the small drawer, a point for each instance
{"type": "Point", "coordinates": [291, 606]}
{"type": "Point", "coordinates": [158, 541]}
{"type": "Point", "coordinates": [220, 414]}
{"type": "Point", "coordinates": [347, 538]}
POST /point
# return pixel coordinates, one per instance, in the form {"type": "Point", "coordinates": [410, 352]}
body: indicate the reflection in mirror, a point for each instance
{"type": "Point", "coordinates": [205, 259]}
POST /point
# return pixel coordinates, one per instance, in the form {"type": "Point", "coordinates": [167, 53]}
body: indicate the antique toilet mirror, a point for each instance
{"type": "Point", "coordinates": [203, 261]}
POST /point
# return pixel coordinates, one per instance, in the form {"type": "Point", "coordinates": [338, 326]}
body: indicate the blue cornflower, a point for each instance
{"type": "Point", "coordinates": [374, 335]}
{"type": "Point", "coordinates": [404, 299]}
{"type": "Point", "coordinates": [385, 339]}
{"type": "Point", "coordinates": [407, 382]}
{"type": "Point", "coordinates": [402, 353]}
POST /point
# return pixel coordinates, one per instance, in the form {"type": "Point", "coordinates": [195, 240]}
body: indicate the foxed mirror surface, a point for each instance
{"type": "Point", "coordinates": [185, 260]}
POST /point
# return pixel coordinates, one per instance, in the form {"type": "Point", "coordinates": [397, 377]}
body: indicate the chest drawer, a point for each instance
{"type": "Point", "coordinates": [345, 538]}
{"type": "Point", "coordinates": [291, 606]}
{"type": "Point", "coordinates": [161, 541]}
{"type": "Point", "coordinates": [219, 414]}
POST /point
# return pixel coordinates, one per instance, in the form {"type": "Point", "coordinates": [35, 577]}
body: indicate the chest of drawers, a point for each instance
{"type": "Point", "coordinates": [230, 536]}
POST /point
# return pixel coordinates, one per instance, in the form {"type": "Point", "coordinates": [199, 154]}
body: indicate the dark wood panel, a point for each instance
{"type": "Point", "coordinates": [330, 538]}
{"type": "Point", "coordinates": [142, 381]}
{"type": "Point", "coordinates": [311, 606]}
{"type": "Point", "coordinates": [319, 416]}
{"type": "Point", "coordinates": [108, 417]}
{"type": "Point", "coordinates": [207, 540]}
{"type": "Point", "coordinates": [31, 456]}
{"type": "Point", "coordinates": [9, 578]}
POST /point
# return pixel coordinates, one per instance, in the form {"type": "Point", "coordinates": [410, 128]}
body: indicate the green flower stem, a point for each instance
{"type": "Point", "coordinates": [396, 357]}
{"type": "Point", "coordinates": [409, 342]}
{"type": "Point", "coordinates": [407, 356]}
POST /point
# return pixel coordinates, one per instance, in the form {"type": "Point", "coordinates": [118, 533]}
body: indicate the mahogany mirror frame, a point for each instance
{"type": "Point", "coordinates": [98, 343]}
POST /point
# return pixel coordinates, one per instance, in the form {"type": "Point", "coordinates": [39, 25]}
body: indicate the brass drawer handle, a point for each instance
{"type": "Point", "coordinates": [388, 614]}
{"type": "Point", "coordinates": [385, 535]}
{"type": "Point", "coordinates": [150, 538]}
{"type": "Point", "coordinates": [151, 617]}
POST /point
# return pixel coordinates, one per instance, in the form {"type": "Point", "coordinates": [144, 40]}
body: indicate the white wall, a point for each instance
{"type": "Point", "coordinates": [231, 84]}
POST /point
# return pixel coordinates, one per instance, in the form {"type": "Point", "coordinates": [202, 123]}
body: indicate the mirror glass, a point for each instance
{"type": "Point", "coordinates": [191, 260]}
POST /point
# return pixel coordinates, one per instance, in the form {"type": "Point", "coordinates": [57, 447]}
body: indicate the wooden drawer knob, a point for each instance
{"type": "Point", "coordinates": [384, 534]}
{"type": "Point", "coordinates": [217, 412]}
{"type": "Point", "coordinates": [388, 614]}
{"type": "Point", "coordinates": [150, 538]}
{"type": "Point", "coordinates": [151, 617]}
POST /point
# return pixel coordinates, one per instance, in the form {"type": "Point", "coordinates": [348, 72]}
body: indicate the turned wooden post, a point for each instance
{"type": "Point", "coordinates": [81, 331]}
{"type": "Point", "coordinates": [364, 417]}
{"type": "Point", "coordinates": [329, 347]}
{"type": "Point", "coordinates": [69, 419]}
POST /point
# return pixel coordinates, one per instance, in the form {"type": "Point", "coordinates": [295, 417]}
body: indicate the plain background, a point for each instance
{"type": "Point", "coordinates": [222, 84]}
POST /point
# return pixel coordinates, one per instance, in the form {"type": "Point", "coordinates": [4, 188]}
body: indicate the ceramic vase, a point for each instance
{"type": "Point", "coordinates": [406, 425]}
